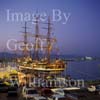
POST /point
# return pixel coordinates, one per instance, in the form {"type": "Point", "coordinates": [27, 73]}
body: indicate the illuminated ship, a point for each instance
{"type": "Point", "coordinates": [41, 64]}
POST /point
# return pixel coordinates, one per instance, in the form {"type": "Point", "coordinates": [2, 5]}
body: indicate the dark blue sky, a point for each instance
{"type": "Point", "coordinates": [79, 36]}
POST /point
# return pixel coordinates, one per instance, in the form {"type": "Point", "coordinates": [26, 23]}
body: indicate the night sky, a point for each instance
{"type": "Point", "coordinates": [79, 36]}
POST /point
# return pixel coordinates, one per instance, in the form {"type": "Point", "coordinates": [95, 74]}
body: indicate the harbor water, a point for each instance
{"type": "Point", "coordinates": [87, 70]}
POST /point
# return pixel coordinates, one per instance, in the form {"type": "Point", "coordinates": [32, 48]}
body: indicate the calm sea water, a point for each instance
{"type": "Point", "coordinates": [87, 70]}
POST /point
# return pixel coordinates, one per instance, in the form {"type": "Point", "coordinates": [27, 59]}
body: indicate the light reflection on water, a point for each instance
{"type": "Point", "coordinates": [87, 70]}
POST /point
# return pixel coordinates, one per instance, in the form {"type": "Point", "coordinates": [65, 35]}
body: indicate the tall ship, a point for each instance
{"type": "Point", "coordinates": [40, 62]}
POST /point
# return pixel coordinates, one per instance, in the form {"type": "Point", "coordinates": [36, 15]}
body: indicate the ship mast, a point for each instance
{"type": "Point", "coordinates": [25, 41]}
{"type": "Point", "coordinates": [37, 41]}
{"type": "Point", "coordinates": [49, 40]}
{"type": "Point", "coordinates": [36, 44]}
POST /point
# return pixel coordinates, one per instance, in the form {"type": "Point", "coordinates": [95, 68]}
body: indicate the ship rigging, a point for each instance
{"type": "Point", "coordinates": [46, 63]}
